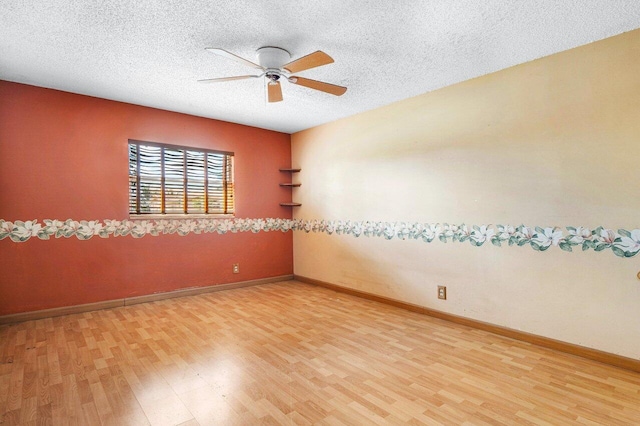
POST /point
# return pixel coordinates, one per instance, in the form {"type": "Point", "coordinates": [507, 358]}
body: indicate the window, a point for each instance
{"type": "Point", "coordinates": [167, 179]}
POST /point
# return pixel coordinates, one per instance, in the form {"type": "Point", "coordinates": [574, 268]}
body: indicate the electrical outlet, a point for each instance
{"type": "Point", "coordinates": [236, 268]}
{"type": "Point", "coordinates": [442, 292]}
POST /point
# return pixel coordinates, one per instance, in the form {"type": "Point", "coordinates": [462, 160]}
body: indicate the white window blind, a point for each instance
{"type": "Point", "coordinates": [167, 179]}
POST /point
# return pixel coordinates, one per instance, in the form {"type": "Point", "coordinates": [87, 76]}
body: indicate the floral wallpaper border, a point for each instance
{"type": "Point", "coordinates": [622, 243]}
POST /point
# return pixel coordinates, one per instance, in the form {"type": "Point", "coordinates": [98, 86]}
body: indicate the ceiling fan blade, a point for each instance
{"type": "Point", "coordinates": [218, 80]}
{"type": "Point", "coordinates": [312, 60]}
{"type": "Point", "coordinates": [318, 85]}
{"type": "Point", "coordinates": [229, 55]}
{"type": "Point", "coordinates": [275, 91]}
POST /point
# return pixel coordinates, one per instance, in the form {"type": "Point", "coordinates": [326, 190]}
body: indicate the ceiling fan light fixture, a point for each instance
{"type": "Point", "coordinates": [272, 75]}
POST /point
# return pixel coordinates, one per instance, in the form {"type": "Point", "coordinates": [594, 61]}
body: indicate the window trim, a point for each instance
{"type": "Point", "coordinates": [185, 215]}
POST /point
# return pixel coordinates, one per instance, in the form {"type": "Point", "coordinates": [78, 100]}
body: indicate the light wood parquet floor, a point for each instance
{"type": "Point", "coordinates": [291, 353]}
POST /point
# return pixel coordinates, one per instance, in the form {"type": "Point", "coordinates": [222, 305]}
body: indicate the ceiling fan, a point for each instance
{"type": "Point", "coordinates": [275, 65]}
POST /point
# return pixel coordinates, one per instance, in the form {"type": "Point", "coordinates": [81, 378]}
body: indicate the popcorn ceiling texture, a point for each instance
{"type": "Point", "coordinates": [152, 53]}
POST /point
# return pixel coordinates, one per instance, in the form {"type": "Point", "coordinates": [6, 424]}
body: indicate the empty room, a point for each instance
{"type": "Point", "coordinates": [337, 213]}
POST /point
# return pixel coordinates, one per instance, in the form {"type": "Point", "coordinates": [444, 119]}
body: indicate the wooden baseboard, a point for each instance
{"type": "Point", "coordinates": [115, 303]}
{"type": "Point", "coordinates": [201, 290]}
{"type": "Point", "coordinates": [56, 312]}
{"type": "Point", "coordinates": [558, 345]}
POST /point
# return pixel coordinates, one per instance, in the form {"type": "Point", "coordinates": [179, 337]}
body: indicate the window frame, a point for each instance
{"type": "Point", "coordinates": [186, 215]}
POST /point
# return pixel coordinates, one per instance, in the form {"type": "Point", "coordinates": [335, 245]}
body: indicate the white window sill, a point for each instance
{"type": "Point", "coordinates": [179, 216]}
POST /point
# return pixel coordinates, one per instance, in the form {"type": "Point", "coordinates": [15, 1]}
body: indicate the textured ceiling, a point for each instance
{"type": "Point", "coordinates": [152, 52]}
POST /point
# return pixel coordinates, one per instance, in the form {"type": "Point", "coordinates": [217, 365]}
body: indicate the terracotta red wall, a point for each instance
{"type": "Point", "coordinates": [64, 156]}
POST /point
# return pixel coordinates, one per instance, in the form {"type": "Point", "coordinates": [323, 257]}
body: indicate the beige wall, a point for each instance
{"type": "Point", "coordinates": [554, 142]}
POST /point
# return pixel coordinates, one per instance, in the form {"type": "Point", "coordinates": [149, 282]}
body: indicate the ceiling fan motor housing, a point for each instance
{"type": "Point", "coordinates": [273, 57]}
